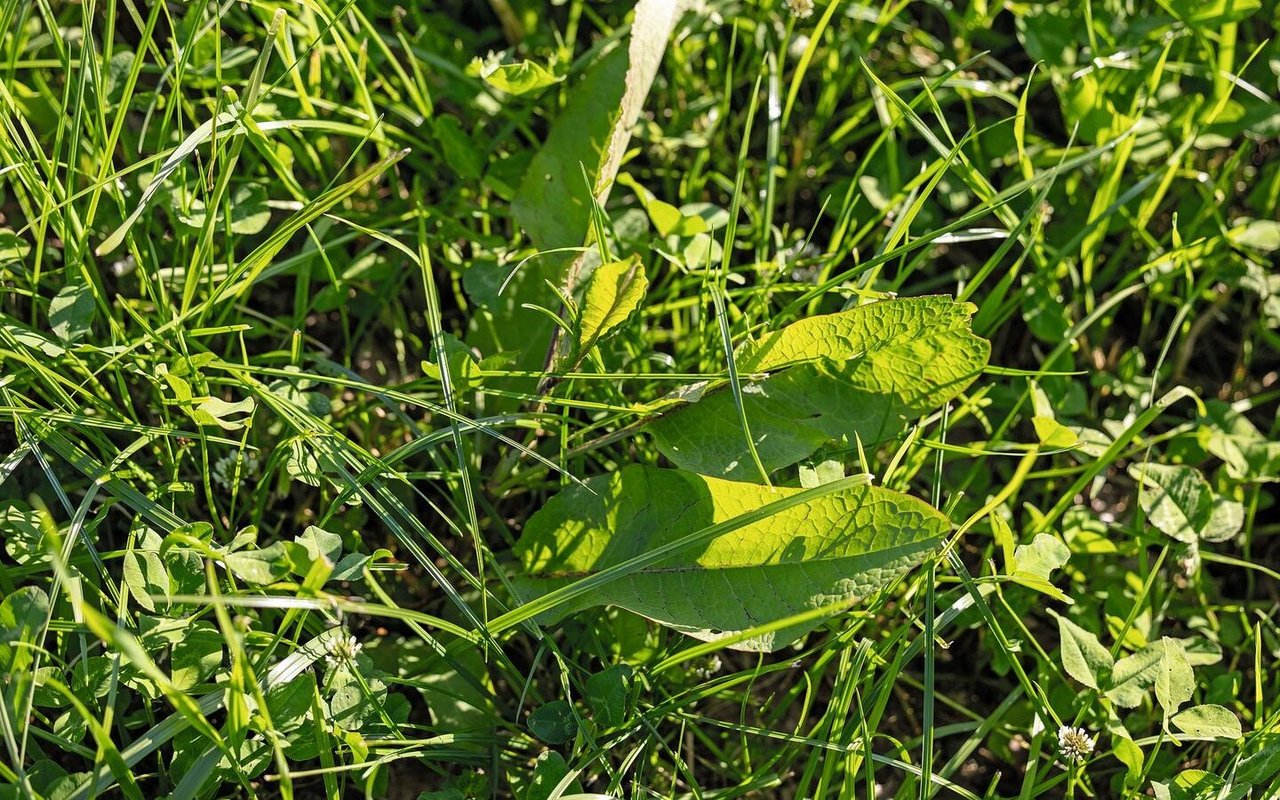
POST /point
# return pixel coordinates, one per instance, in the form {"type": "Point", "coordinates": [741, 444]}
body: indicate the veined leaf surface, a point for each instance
{"type": "Point", "coordinates": [837, 549]}
{"type": "Point", "coordinates": [613, 294]}
{"type": "Point", "coordinates": [865, 371]}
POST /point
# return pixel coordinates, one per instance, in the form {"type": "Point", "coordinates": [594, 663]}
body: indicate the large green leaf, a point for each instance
{"type": "Point", "coordinates": [554, 200]}
{"type": "Point", "coordinates": [553, 203]}
{"type": "Point", "coordinates": [836, 549]}
{"type": "Point", "coordinates": [865, 371]}
{"type": "Point", "coordinates": [573, 170]}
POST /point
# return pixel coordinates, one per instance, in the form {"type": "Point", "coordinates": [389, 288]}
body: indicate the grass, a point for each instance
{"type": "Point", "coordinates": [289, 362]}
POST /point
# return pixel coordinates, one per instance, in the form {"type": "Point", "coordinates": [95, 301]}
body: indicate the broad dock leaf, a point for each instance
{"type": "Point", "coordinates": [865, 371]}
{"type": "Point", "coordinates": [553, 203]}
{"type": "Point", "coordinates": [837, 549]}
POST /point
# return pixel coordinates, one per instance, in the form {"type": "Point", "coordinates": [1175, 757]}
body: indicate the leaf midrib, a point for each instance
{"type": "Point", "coordinates": [892, 552]}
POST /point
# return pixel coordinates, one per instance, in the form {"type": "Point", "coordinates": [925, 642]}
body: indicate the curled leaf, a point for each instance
{"type": "Point", "coordinates": [522, 77]}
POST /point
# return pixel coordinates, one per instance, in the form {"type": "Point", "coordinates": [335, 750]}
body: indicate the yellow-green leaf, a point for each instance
{"type": "Point", "coordinates": [1004, 540]}
{"type": "Point", "coordinates": [522, 77]}
{"type": "Point", "coordinates": [228, 416]}
{"type": "Point", "coordinates": [1052, 433]}
{"type": "Point", "coordinates": [613, 294]}
{"type": "Point", "coordinates": [857, 374]}
{"type": "Point", "coordinates": [665, 217]}
{"type": "Point", "coordinates": [839, 548]}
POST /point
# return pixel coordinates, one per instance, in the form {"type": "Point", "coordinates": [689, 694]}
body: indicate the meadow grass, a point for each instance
{"type": "Point", "coordinates": [289, 359]}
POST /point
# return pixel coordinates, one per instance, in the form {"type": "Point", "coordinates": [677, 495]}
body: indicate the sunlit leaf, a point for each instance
{"type": "Point", "coordinates": [1175, 682]}
{"type": "Point", "coordinates": [838, 549]}
{"type": "Point", "coordinates": [1179, 501]}
{"type": "Point", "coordinates": [71, 312]}
{"type": "Point", "coordinates": [522, 77]}
{"type": "Point", "coordinates": [1210, 720]}
{"type": "Point", "coordinates": [613, 294]}
{"type": "Point", "coordinates": [865, 372]}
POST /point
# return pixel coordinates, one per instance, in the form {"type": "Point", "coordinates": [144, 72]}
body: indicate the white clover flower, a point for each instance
{"type": "Point", "coordinates": [800, 9]}
{"type": "Point", "coordinates": [342, 650]}
{"type": "Point", "coordinates": [1189, 562]}
{"type": "Point", "coordinates": [224, 469]}
{"type": "Point", "coordinates": [1075, 744]}
{"type": "Point", "coordinates": [709, 669]}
